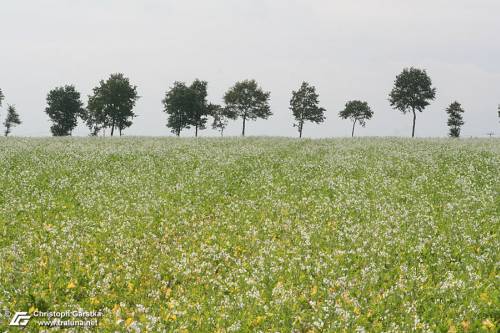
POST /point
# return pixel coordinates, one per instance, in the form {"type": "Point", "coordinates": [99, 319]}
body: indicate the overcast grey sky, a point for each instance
{"type": "Point", "coordinates": [348, 49]}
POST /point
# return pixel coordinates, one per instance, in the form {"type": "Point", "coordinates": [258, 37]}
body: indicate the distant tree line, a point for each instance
{"type": "Point", "coordinates": [111, 106]}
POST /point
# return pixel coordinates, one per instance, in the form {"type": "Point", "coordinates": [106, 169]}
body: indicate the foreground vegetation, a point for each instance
{"type": "Point", "coordinates": [264, 235]}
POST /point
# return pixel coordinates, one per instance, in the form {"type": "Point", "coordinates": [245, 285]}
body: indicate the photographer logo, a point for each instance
{"type": "Point", "coordinates": [20, 319]}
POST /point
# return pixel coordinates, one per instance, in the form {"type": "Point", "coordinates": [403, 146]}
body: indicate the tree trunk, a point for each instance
{"type": "Point", "coordinates": [301, 127]}
{"type": "Point", "coordinates": [113, 127]}
{"type": "Point", "coordinates": [353, 125]}
{"type": "Point", "coordinates": [196, 131]}
{"type": "Point", "coordinates": [414, 120]}
{"type": "Point", "coordinates": [244, 121]}
{"type": "Point", "coordinates": [120, 131]}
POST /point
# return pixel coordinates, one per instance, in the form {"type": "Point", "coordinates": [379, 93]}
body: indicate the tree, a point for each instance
{"type": "Point", "coordinates": [304, 106]}
{"type": "Point", "coordinates": [200, 107]}
{"type": "Point", "coordinates": [248, 101]}
{"type": "Point", "coordinates": [178, 103]}
{"type": "Point", "coordinates": [221, 118]}
{"type": "Point", "coordinates": [357, 111]}
{"type": "Point", "coordinates": [111, 105]}
{"type": "Point", "coordinates": [95, 121]}
{"type": "Point", "coordinates": [11, 120]}
{"type": "Point", "coordinates": [64, 107]}
{"type": "Point", "coordinates": [412, 92]}
{"type": "Point", "coordinates": [455, 119]}
{"type": "Point", "coordinates": [187, 106]}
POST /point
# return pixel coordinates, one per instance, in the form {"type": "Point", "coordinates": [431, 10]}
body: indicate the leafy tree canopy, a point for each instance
{"type": "Point", "coordinates": [357, 112]}
{"type": "Point", "coordinates": [200, 108]}
{"type": "Point", "coordinates": [11, 120]}
{"type": "Point", "coordinates": [221, 117]}
{"type": "Point", "coordinates": [178, 103]}
{"type": "Point", "coordinates": [412, 91]}
{"type": "Point", "coordinates": [305, 106]}
{"type": "Point", "coordinates": [248, 101]}
{"type": "Point", "coordinates": [64, 107]}
{"type": "Point", "coordinates": [187, 106]}
{"type": "Point", "coordinates": [455, 119]}
{"type": "Point", "coordinates": [112, 104]}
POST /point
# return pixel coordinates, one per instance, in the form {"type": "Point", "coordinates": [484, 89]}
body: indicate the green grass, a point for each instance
{"type": "Point", "coordinates": [259, 234]}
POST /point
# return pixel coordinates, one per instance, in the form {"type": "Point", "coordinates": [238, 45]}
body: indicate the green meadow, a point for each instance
{"type": "Point", "coordinates": [254, 234]}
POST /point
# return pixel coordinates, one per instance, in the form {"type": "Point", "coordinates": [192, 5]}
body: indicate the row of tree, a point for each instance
{"type": "Point", "coordinates": [112, 103]}
{"type": "Point", "coordinates": [110, 106]}
{"type": "Point", "coordinates": [12, 119]}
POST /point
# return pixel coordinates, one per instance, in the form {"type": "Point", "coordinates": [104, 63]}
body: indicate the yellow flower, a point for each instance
{"type": "Point", "coordinates": [43, 262]}
{"type": "Point", "coordinates": [130, 286]}
{"type": "Point", "coordinates": [71, 285]}
{"type": "Point", "coordinates": [314, 290]}
{"type": "Point", "coordinates": [116, 308]}
{"type": "Point", "coordinates": [452, 329]}
{"type": "Point", "coordinates": [94, 301]}
{"type": "Point", "coordinates": [485, 298]}
{"type": "Point", "coordinates": [488, 325]}
{"type": "Point", "coordinates": [167, 291]}
{"type": "Point", "coordinates": [128, 322]}
{"type": "Point", "coordinates": [258, 320]}
{"type": "Point", "coordinates": [32, 309]}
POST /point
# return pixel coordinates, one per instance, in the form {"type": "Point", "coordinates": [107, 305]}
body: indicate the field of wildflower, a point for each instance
{"type": "Point", "coordinates": [256, 234]}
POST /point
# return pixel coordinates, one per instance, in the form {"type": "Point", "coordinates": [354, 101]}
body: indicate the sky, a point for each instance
{"type": "Point", "coordinates": [348, 49]}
